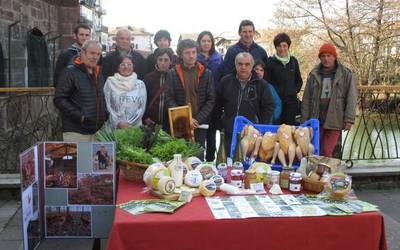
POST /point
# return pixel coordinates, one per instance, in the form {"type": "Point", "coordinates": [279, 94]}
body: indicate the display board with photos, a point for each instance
{"type": "Point", "coordinates": [68, 190]}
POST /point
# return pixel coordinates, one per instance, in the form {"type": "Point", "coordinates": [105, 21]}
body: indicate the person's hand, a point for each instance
{"type": "Point", "coordinates": [347, 126]}
{"type": "Point", "coordinates": [195, 124]}
{"type": "Point", "coordinates": [149, 121]}
{"type": "Point", "coordinates": [123, 125]}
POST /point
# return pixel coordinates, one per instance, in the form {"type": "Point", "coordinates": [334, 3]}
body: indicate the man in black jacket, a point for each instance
{"type": "Point", "coordinates": [243, 93]}
{"type": "Point", "coordinates": [124, 47]}
{"type": "Point", "coordinates": [191, 82]}
{"type": "Point", "coordinates": [81, 35]}
{"type": "Point", "coordinates": [79, 95]}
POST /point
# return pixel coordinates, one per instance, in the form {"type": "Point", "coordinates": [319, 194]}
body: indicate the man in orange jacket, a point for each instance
{"type": "Point", "coordinates": [190, 82]}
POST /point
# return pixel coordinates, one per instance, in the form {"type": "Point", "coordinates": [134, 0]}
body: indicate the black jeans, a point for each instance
{"type": "Point", "coordinates": [211, 143]}
{"type": "Point", "coordinates": [290, 108]}
{"type": "Point", "coordinates": [200, 138]}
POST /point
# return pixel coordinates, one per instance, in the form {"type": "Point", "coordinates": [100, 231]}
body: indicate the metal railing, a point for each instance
{"type": "Point", "coordinates": [27, 116]}
{"type": "Point", "coordinates": [376, 132]}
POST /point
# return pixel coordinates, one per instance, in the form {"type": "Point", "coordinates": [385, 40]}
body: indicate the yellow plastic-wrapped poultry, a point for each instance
{"type": "Point", "coordinates": [286, 144]}
{"type": "Point", "coordinates": [303, 137]}
{"type": "Point", "coordinates": [249, 137]}
{"type": "Point", "coordinates": [285, 137]}
{"type": "Point", "coordinates": [267, 146]}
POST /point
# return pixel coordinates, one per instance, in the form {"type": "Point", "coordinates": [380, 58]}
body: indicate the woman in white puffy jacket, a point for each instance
{"type": "Point", "coordinates": [125, 95]}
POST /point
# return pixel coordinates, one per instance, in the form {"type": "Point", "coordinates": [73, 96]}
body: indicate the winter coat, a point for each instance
{"type": "Point", "coordinates": [80, 98]}
{"type": "Point", "coordinates": [64, 59]}
{"type": "Point", "coordinates": [125, 99]}
{"type": "Point", "coordinates": [156, 110]}
{"type": "Point", "coordinates": [342, 104]}
{"type": "Point", "coordinates": [254, 102]}
{"type": "Point", "coordinates": [38, 59]}
{"type": "Point", "coordinates": [255, 50]}
{"type": "Point", "coordinates": [110, 64]}
{"type": "Point", "coordinates": [214, 63]}
{"type": "Point", "coordinates": [2, 68]}
{"type": "Point", "coordinates": [285, 78]}
{"type": "Point", "coordinates": [175, 91]}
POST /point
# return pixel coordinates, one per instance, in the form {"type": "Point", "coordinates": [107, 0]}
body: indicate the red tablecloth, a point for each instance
{"type": "Point", "coordinates": [194, 227]}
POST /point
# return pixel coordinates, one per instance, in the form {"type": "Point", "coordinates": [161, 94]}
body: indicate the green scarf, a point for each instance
{"type": "Point", "coordinates": [283, 60]}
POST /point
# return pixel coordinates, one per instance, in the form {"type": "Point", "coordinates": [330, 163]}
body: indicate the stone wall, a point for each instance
{"type": "Point", "coordinates": [52, 17]}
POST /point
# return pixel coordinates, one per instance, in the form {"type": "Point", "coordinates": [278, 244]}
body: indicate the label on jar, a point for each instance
{"type": "Point", "coordinates": [294, 187]}
{"type": "Point", "coordinates": [222, 169]}
{"type": "Point", "coordinates": [284, 183]}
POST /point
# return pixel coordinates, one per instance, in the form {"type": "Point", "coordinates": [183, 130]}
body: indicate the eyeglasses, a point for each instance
{"type": "Point", "coordinates": [126, 65]}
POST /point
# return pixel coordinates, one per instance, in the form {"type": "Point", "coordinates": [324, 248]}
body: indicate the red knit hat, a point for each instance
{"type": "Point", "coordinates": [327, 48]}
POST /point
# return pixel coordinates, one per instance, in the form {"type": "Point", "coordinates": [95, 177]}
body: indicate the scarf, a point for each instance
{"type": "Point", "coordinates": [283, 60]}
{"type": "Point", "coordinates": [121, 83]}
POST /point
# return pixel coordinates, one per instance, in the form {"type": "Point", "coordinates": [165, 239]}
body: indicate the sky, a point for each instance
{"type": "Point", "coordinates": [180, 16]}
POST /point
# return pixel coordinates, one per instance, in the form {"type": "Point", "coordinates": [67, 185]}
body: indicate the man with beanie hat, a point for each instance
{"type": "Point", "coordinates": [162, 40]}
{"type": "Point", "coordinates": [330, 96]}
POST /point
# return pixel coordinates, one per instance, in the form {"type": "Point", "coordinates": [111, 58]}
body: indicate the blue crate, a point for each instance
{"type": "Point", "coordinates": [241, 121]}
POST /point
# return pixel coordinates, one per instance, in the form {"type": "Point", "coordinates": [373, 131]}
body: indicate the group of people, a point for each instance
{"type": "Point", "coordinates": [129, 90]}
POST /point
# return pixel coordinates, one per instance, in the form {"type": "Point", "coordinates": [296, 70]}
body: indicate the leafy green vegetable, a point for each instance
{"type": "Point", "coordinates": [142, 144]}
{"type": "Point", "coordinates": [135, 154]}
{"type": "Point", "coordinates": [166, 151]}
{"type": "Point", "coordinates": [129, 136]}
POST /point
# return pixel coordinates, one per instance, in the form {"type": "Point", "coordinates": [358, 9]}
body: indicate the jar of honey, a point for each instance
{"type": "Point", "coordinates": [249, 177]}
{"type": "Point", "coordinates": [284, 179]}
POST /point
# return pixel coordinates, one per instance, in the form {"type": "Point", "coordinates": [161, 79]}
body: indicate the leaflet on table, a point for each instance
{"type": "Point", "coordinates": [340, 207]}
{"type": "Point", "coordinates": [260, 206]}
{"type": "Point", "coordinates": [228, 207]}
{"type": "Point", "coordinates": [147, 206]}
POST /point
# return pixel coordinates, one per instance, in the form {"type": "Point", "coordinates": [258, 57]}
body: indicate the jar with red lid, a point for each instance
{"type": "Point", "coordinates": [237, 178]}
{"type": "Point", "coordinates": [295, 182]}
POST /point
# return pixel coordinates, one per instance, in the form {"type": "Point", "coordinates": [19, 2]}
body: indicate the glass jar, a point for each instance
{"type": "Point", "coordinates": [237, 178]}
{"type": "Point", "coordinates": [295, 182]}
{"type": "Point", "coordinates": [284, 178]}
{"type": "Point", "coordinates": [273, 178]}
{"type": "Point", "coordinates": [249, 178]}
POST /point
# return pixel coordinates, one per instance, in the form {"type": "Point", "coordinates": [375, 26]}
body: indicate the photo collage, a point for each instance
{"type": "Point", "coordinates": [75, 178]}
{"type": "Point", "coordinates": [30, 198]}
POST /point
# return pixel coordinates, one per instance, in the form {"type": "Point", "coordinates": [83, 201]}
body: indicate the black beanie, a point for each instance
{"type": "Point", "coordinates": [160, 34]}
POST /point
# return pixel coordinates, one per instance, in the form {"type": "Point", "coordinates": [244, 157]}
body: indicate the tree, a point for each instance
{"type": "Point", "coordinates": [366, 32]}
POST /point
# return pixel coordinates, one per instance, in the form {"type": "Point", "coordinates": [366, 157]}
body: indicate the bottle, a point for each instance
{"type": "Point", "coordinates": [238, 156]}
{"type": "Point", "coordinates": [221, 155]}
{"type": "Point", "coordinates": [176, 169]}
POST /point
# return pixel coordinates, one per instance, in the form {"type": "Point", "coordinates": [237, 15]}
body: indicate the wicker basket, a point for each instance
{"type": "Point", "coordinates": [132, 171]}
{"type": "Point", "coordinates": [312, 185]}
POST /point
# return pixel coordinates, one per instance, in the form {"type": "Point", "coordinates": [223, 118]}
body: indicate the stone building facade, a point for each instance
{"type": "Point", "coordinates": [54, 18]}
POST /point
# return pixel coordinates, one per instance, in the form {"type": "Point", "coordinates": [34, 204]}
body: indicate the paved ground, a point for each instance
{"type": "Point", "coordinates": [11, 233]}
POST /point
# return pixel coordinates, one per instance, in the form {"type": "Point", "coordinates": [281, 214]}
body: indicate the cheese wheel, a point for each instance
{"type": "Point", "coordinates": [149, 171]}
{"type": "Point", "coordinates": [193, 178]}
{"type": "Point", "coordinates": [218, 180]}
{"type": "Point", "coordinates": [166, 185]}
{"type": "Point", "coordinates": [207, 188]}
{"type": "Point", "coordinates": [192, 162]}
{"type": "Point", "coordinates": [207, 170]}
{"type": "Point", "coordinates": [157, 175]}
